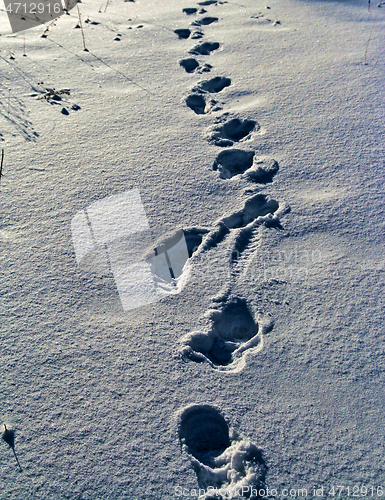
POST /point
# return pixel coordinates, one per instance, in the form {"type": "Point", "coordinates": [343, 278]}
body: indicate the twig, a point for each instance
{"type": "Point", "coordinates": [66, 5]}
{"type": "Point", "coordinates": [81, 27]}
{"type": "Point", "coordinates": [1, 165]}
{"type": "Point", "coordinates": [9, 438]}
{"type": "Point", "coordinates": [370, 36]}
{"type": "Point", "coordinates": [44, 35]}
{"type": "Point", "coordinates": [17, 460]}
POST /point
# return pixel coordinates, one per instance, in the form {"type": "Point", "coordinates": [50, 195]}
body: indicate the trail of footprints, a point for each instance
{"type": "Point", "coordinates": [228, 331]}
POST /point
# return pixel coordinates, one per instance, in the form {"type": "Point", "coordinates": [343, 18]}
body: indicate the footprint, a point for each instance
{"type": "Point", "coordinates": [197, 103]}
{"type": "Point", "coordinates": [183, 33]}
{"type": "Point", "coordinates": [205, 21]}
{"type": "Point", "coordinates": [193, 237]}
{"type": "Point", "coordinates": [234, 162]}
{"type": "Point", "coordinates": [205, 48]}
{"type": "Point", "coordinates": [259, 210]}
{"type": "Point", "coordinates": [190, 64]}
{"type": "Point", "coordinates": [262, 171]}
{"type": "Point", "coordinates": [205, 432]}
{"type": "Point", "coordinates": [262, 20]}
{"type": "Point", "coordinates": [88, 21]}
{"type": "Point", "coordinates": [170, 253]}
{"type": "Point", "coordinates": [190, 10]}
{"type": "Point", "coordinates": [214, 85]}
{"type": "Point", "coordinates": [221, 458]}
{"type": "Point", "coordinates": [208, 2]}
{"type": "Point", "coordinates": [231, 332]}
{"type": "Point", "coordinates": [168, 256]}
{"type": "Point", "coordinates": [232, 131]}
{"type": "Point", "coordinates": [256, 209]}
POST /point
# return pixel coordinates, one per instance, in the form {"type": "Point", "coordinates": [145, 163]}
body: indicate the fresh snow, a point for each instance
{"type": "Point", "coordinates": [262, 364]}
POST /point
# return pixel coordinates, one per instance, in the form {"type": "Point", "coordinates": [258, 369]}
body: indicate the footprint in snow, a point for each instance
{"type": "Point", "coordinates": [234, 162]}
{"type": "Point", "coordinates": [220, 457]}
{"type": "Point", "coordinates": [205, 21]}
{"type": "Point", "coordinates": [209, 2]}
{"type": "Point", "coordinates": [262, 20]}
{"type": "Point", "coordinates": [197, 101]}
{"type": "Point", "coordinates": [176, 247]}
{"type": "Point", "coordinates": [233, 130]}
{"type": "Point", "coordinates": [205, 48]}
{"type": "Point", "coordinates": [229, 331]}
{"type": "Point", "coordinates": [216, 84]}
{"type": "Point", "coordinates": [190, 10]}
{"type": "Point", "coordinates": [191, 65]}
{"type": "Point", "coordinates": [183, 33]}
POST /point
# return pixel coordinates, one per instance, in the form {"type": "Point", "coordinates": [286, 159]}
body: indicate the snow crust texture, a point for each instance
{"type": "Point", "coordinates": [249, 136]}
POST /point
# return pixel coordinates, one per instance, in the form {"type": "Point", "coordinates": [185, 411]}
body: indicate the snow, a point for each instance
{"type": "Point", "coordinates": [97, 395]}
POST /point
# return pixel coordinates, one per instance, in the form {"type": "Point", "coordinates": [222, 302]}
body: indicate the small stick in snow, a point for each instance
{"type": "Point", "coordinates": [370, 36]}
{"type": "Point", "coordinates": [9, 438]}
{"type": "Point", "coordinates": [81, 27]}
{"type": "Point", "coordinates": [44, 35]}
{"type": "Point", "coordinates": [1, 173]}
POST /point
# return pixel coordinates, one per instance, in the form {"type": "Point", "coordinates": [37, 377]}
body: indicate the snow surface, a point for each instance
{"type": "Point", "coordinates": [99, 397]}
